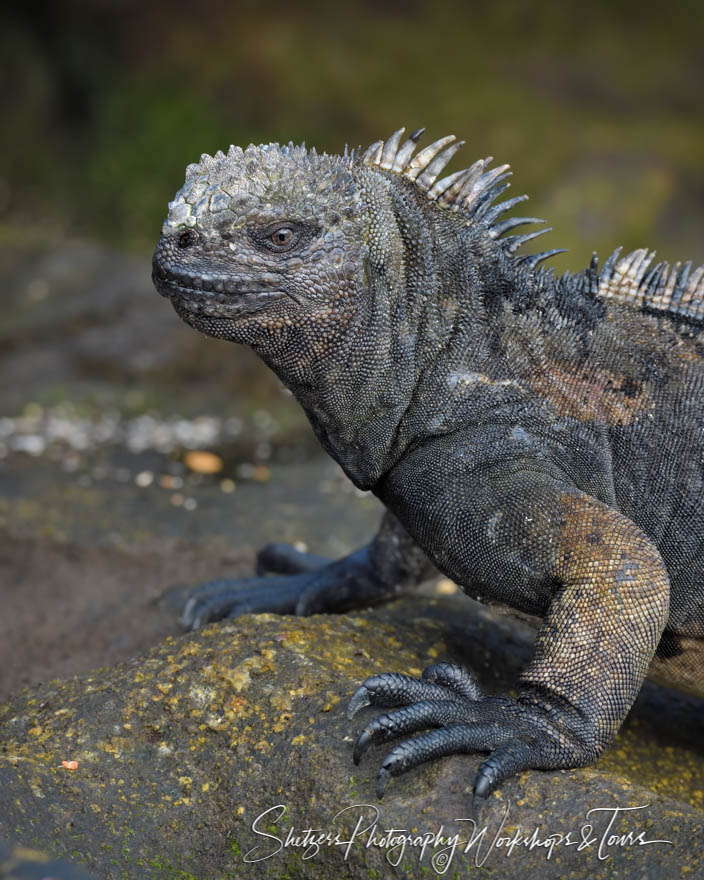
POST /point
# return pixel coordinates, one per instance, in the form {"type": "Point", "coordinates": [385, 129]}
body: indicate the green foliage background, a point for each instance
{"type": "Point", "coordinates": [599, 107]}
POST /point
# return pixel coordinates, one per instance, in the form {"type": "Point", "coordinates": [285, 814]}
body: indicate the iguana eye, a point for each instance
{"type": "Point", "coordinates": [282, 237]}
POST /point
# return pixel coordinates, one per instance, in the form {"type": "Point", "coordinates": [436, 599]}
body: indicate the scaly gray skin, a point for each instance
{"type": "Point", "coordinates": [538, 439]}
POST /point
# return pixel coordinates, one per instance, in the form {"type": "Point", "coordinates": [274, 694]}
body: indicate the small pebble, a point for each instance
{"type": "Point", "coordinates": [168, 481]}
{"type": "Point", "coordinates": [261, 473]}
{"type": "Point", "coordinates": [203, 462]}
{"type": "Point", "coordinates": [144, 479]}
{"type": "Point", "coordinates": [446, 587]}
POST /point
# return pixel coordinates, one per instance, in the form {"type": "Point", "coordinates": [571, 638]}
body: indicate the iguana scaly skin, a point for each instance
{"type": "Point", "coordinates": [538, 439]}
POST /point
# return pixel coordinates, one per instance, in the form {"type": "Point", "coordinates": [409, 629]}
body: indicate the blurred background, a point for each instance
{"type": "Point", "coordinates": [135, 452]}
{"type": "Point", "coordinates": [598, 106]}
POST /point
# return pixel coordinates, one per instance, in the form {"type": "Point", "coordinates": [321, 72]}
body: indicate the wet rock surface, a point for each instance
{"type": "Point", "coordinates": [92, 574]}
{"type": "Point", "coordinates": [158, 763]}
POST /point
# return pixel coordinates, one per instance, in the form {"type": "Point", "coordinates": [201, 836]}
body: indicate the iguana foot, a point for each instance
{"type": "Point", "coordinates": [304, 585]}
{"type": "Point", "coordinates": [519, 735]}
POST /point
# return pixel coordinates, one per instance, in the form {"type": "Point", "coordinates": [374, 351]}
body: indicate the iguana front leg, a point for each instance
{"type": "Point", "coordinates": [605, 596]}
{"type": "Point", "coordinates": [390, 564]}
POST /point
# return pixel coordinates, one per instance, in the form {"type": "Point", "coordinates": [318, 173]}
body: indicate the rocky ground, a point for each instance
{"type": "Point", "coordinates": [136, 458]}
{"type": "Point", "coordinates": [107, 405]}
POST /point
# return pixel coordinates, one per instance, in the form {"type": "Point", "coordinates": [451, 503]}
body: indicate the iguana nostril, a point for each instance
{"type": "Point", "coordinates": [187, 238]}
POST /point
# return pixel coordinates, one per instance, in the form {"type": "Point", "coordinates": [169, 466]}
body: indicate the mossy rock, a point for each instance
{"type": "Point", "coordinates": [178, 752]}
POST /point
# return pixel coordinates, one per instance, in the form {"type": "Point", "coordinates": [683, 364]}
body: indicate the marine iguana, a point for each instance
{"type": "Point", "coordinates": [538, 439]}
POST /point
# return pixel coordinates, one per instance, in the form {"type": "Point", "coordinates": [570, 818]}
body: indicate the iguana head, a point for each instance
{"type": "Point", "coordinates": [271, 240]}
{"type": "Point", "coordinates": [261, 240]}
{"type": "Point", "coordinates": [349, 275]}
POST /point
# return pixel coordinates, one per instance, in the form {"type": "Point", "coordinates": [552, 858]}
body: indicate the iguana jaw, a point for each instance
{"type": "Point", "coordinates": [221, 297]}
{"type": "Point", "coordinates": [198, 284]}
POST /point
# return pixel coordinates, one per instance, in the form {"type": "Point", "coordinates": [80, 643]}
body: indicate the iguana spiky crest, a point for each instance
{"type": "Point", "coordinates": [208, 191]}
{"type": "Point", "coordinates": [470, 192]}
{"type": "Point", "coordinates": [677, 291]}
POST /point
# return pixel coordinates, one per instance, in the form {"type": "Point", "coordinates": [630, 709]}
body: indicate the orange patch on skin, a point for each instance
{"type": "Point", "coordinates": [589, 395]}
{"type": "Point", "coordinates": [601, 549]}
{"type": "Point", "coordinates": [603, 627]}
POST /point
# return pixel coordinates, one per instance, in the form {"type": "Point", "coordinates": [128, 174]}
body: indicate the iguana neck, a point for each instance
{"type": "Point", "coordinates": [356, 391]}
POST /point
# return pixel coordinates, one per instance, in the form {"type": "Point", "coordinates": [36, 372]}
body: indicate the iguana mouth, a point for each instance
{"type": "Point", "coordinates": [213, 296]}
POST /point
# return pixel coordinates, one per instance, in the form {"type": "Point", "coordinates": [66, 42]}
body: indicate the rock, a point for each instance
{"type": "Point", "coordinates": [20, 863]}
{"type": "Point", "coordinates": [95, 570]}
{"type": "Point", "coordinates": [214, 749]}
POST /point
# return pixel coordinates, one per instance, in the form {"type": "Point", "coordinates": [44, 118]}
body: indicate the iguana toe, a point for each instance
{"type": "Point", "coordinates": [320, 587]}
